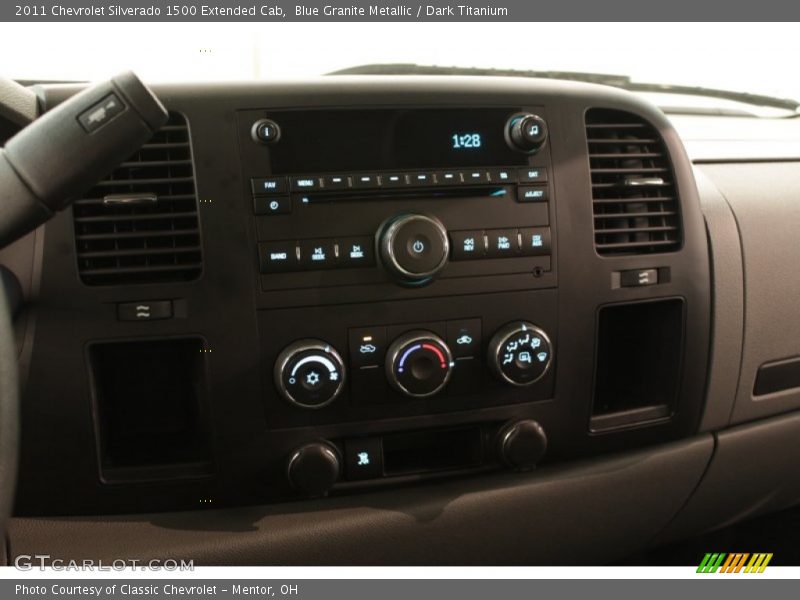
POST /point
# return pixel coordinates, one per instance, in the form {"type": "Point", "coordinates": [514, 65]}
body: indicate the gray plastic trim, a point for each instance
{"type": "Point", "coordinates": [727, 305]}
{"type": "Point", "coordinates": [753, 472]}
{"type": "Point", "coordinates": [591, 512]}
{"type": "Point", "coordinates": [763, 197]}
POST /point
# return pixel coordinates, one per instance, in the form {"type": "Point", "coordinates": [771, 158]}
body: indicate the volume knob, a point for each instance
{"type": "Point", "coordinates": [414, 247]}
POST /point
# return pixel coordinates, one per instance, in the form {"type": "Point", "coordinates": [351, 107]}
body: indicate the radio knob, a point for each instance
{"type": "Point", "coordinates": [520, 353]}
{"type": "Point", "coordinates": [309, 373]}
{"type": "Point", "coordinates": [414, 248]}
{"type": "Point", "coordinates": [419, 364]}
{"type": "Point", "coordinates": [314, 468]}
{"type": "Point", "coordinates": [526, 132]}
{"type": "Point", "coordinates": [521, 444]}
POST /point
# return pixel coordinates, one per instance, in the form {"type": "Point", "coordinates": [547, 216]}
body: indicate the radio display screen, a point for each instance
{"type": "Point", "coordinates": [314, 141]}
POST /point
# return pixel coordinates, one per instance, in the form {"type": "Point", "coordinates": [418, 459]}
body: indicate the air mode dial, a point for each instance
{"type": "Point", "coordinates": [520, 353]}
{"type": "Point", "coordinates": [309, 373]}
{"type": "Point", "coordinates": [419, 364]}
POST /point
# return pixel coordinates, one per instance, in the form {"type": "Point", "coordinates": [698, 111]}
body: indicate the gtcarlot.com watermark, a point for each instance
{"type": "Point", "coordinates": [29, 562]}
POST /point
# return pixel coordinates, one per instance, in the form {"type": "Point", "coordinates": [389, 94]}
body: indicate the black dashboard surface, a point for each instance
{"type": "Point", "coordinates": [186, 413]}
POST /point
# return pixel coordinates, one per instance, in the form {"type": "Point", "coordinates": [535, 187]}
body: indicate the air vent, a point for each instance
{"type": "Point", "coordinates": [635, 203]}
{"type": "Point", "coordinates": [140, 224]}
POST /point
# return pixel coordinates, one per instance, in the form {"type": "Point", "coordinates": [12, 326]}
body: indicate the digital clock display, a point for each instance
{"type": "Point", "coordinates": [466, 141]}
{"type": "Point", "coordinates": [343, 140]}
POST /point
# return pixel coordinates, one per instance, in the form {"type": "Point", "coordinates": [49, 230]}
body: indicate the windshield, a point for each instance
{"type": "Point", "coordinates": [744, 57]}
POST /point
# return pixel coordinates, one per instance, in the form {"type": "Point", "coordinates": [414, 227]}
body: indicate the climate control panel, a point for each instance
{"type": "Point", "coordinates": [417, 363]}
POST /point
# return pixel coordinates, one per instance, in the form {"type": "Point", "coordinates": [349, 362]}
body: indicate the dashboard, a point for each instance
{"type": "Point", "coordinates": [418, 306]}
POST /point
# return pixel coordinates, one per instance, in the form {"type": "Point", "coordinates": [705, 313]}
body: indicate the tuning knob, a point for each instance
{"type": "Point", "coordinates": [520, 353]}
{"type": "Point", "coordinates": [419, 364]}
{"type": "Point", "coordinates": [526, 132]}
{"type": "Point", "coordinates": [414, 247]}
{"type": "Point", "coordinates": [309, 373]}
{"type": "Point", "coordinates": [521, 444]}
{"type": "Point", "coordinates": [314, 468]}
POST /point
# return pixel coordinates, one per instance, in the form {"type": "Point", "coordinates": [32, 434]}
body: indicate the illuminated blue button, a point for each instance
{"type": "Point", "coordinates": [475, 176]}
{"type": "Point", "coordinates": [363, 458]}
{"type": "Point", "coordinates": [535, 241]}
{"type": "Point", "coordinates": [464, 338]}
{"type": "Point", "coordinates": [317, 254]}
{"type": "Point", "coordinates": [356, 252]}
{"type": "Point", "coordinates": [503, 175]}
{"type": "Point", "coordinates": [272, 205]}
{"type": "Point", "coordinates": [394, 180]}
{"type": "Point", "coordinates": [421, 179]}
{"type": "Point", "coordinates": [277, 257]}
{"type": "Point", "coordinates": [527, 193]}
{"type": "Point", "coordinates": [305, 183]}
{"type": "Point", "coordinates": [533, 175]}
{"type": "Point", "coordinates": [337, 182]}
{"type": "Point", "coordinates": [448, 178]}
{"type": "Point", "coordinates": [467, 244]}
{"type": "Point", "coordinates": [502, 242]}
{"type": "Point", "coordinates": [366, 180]}
{"type": "Point", "coordinates": [268, 185]}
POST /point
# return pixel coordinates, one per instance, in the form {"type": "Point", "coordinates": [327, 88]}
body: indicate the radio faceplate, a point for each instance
{"type": "Point", "coordinates": [319, 233]}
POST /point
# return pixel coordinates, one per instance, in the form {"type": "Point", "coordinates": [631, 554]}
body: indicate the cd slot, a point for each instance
{"type": "Point", "coordinates": [478, 191]}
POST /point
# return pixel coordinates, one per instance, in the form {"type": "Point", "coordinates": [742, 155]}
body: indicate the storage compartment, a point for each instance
{"type": "Point", "coordinates": [151, 415]}
{"type": "Point", "coordinates": [638, 363]}
{"type": "Point", "coordinates": [437, 450]}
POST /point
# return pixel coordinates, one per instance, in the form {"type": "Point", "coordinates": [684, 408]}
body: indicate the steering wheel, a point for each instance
{"type": "Point", "coordinates": [9, 412]}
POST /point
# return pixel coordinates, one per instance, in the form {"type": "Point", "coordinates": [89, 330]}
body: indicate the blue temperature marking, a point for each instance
{"type": "Point", "coordinates": [405, 356]}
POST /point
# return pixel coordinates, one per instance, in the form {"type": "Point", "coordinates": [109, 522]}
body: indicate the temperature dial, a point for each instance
{"type": "Point", "coordinates": [309, 373]}
{"type": "Point", "coordinates": [419, 364]}
{"type": "Point", "coordinates": [520, 353]}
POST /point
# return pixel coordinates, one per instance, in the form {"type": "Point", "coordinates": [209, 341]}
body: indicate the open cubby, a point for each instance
{"type": "Point", "coordinates": [151, 413]}
{"type": "Point", "coordinates": [638, 362]}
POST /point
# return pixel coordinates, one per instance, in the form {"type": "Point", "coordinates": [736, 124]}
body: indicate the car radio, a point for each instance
{"type": "Point", "coordinates": [405, 260]}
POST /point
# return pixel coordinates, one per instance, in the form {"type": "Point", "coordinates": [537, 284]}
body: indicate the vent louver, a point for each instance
{"type": "Point", "coordinates": [140, 224]}
{"type": "Point", "coordinates": [635, 202]}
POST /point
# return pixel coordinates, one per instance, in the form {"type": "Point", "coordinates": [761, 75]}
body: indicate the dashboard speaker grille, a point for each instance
{"type": "Point", "coordinates": [635, 202]}
{"type": "Point", "coordinates": [140, 224]}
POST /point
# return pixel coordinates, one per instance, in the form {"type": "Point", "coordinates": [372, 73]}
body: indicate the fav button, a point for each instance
{"type": "Point", "coordinates": [268, 185]}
